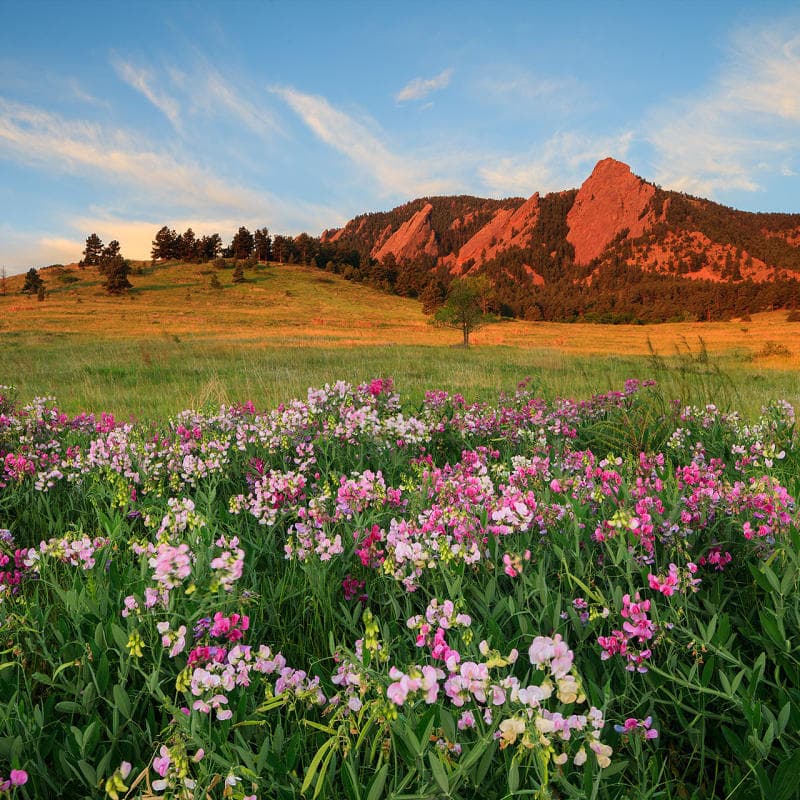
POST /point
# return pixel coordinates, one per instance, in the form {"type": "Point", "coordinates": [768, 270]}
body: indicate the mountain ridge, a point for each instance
{"type": "Point", "coordinates": [615, 230]}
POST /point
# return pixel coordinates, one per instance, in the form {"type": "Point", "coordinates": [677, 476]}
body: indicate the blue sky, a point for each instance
{"type": "Point", "coordinates": [117, 118]}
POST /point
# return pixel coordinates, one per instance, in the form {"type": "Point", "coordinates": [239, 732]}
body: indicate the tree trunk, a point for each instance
{"type": "Point", "coordinates": [466, 335]}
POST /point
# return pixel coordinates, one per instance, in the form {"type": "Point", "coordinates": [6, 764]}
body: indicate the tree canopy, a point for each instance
{"type": "Point", "coordinates": [464, 307]}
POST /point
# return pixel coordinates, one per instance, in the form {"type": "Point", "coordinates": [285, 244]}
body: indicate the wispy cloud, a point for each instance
{"type": "Point", "coordinates": [143, 81]}
{"type": "Point", "coordinates": [420, 88]}
{"type": "Point", "coordinates": [743, 128]}
{"type": "Point", "coordinates": [527, 92]}
{"type": "Point", "coordinates": [36, 137]}
{"type": "Point", "coordinates": [562, 162]}
{"type": "Point", "coordinates": [209, 92]}
{"type": "Point", "coordinates": [411, 175]}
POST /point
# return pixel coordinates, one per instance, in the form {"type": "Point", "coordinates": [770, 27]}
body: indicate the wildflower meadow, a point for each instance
{"type": "Point", "coordinates": [351, 597]}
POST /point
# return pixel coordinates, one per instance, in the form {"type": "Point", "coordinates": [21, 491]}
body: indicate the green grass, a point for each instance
{"type": "Point", "coordinates": [149, 378]}
{"type": "Point", "coordinates": [173, 342]}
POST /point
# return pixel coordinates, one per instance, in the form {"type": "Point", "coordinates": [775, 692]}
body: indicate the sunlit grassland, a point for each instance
{"type": "Point", "coordinates": [175, 342]}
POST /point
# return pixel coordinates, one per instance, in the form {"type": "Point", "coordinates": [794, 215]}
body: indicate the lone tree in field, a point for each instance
{"type": "Point", "coordinates": [464, 306]}
{"type": "Point", "coordinates": [33, 282]}
{"type": "Point", "coordinates": [238, 273]}
{"type": "Point", "coordinates": [92, 252]}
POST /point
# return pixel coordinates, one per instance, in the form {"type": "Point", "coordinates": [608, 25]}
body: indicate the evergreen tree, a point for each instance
{"type": "Point", "coordinates": [165, 245]}
{"type": "Point", "coordinates": [238, 273]}
{"type": "Point", "coordinates": [116, 271]}
{"type": "Point", "coordinates": [33, 282]}
{"type": "Point", "coordinates": [263, 244]}
{"type": "Point", "coordinates": [92, 251]}
{"type": "Point", "coordinates": [110, 252]}
{"type": "Point", "coordinates": [242, 244]}
{"type": "Point", "coordinates": [211, 246]}
{"type": "Point", "coordinates": [187, 244]}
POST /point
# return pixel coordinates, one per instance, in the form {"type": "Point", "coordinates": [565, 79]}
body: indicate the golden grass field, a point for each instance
{"type": "Point", "coordinates": [293, 325]}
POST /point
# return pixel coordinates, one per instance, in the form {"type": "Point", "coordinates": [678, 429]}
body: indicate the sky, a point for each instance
{"type": "Point", "coordinates": [120, 117]}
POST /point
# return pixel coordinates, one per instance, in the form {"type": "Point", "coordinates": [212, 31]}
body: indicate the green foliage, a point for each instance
{"type": "Point", "coordinates": [33, 282]}
{"type": "Point", "coordinates": [465, 306]}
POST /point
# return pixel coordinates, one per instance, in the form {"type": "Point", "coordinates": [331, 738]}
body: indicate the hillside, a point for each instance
{"type": "Point", "coordinates": [617, 249]}
{"type": "Point", "coordinates": [174, 341]}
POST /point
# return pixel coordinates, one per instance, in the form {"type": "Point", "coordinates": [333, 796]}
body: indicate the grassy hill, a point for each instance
{"type": "Point", "coordinates": [173, 342]}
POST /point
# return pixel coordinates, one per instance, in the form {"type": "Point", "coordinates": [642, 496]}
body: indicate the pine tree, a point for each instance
{"type": "Point", "coordinates": [165, 245]}
{"type": "Point", "coordinates": [92, 252]}
{"type": "Point", "coordinates": [116, 271]}
{"type": "Point", "coordinates": [33, 282]}
{"type": "Point", "coordinates": [187, 244]}
{"type": "Point", "coordinates": [110, 252]}
{"type": "Point", "coordinates": [238, 273]}
{"type": "Point", "coordinates": [263, 244]}
{"type": "Point", "coordinates": [242, 244]}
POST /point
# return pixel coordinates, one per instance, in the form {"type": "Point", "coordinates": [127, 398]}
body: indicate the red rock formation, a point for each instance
{"type": "Point", "coordinates": [506, 229]}
{"type": "Point", "coordinates": [611, 199]}
{"type": "Point", "coordinates": [413, 238]}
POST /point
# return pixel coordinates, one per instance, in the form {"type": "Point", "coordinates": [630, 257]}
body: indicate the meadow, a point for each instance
{"type": "Point", "coordinates": [347, 597]}
{"type": "Point", "coordinates": [174, 342]}
{"type": "Point", "coordinates": [456, 583]}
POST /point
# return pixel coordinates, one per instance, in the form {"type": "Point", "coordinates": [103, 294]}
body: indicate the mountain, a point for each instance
{"type": "Point", "coordinates": [619, 247]}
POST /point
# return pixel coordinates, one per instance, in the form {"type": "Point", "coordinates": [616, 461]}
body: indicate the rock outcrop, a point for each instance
{"type": "Point", "coordinates": [611, 199]}
{"type": "Point", "coordinates": [413, 238]}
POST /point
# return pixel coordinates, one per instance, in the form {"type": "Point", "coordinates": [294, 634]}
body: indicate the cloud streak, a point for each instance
{"type": "Point", "coordinates": [37, 137]}
{"type": "Point", "coordinates": [142, 81]}
{"type": "Point", "coordinates": [419, 88]}
{"type": "Point", "coordinates": [743, 128]}
{"type": "Point", "coordinates": [394, 174]}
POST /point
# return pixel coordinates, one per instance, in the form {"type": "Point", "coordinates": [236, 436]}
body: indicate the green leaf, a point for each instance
{"type": "Point", "coordinates": [448, 724]}
{"type": "Point", "coordinates": [378, 782]}
{"type": "Point", "coordinates": [784, 783]}
{"type": "Point", "coordinates": [439, 774]}
{"type": "Point", "coordinates": [88, 773]}
{"type": "Point", "coordinates": [120, 637]}
{"type": "Point", "coordinates": [513, 778]}
{"type": "Point", "coordinates": [350, 780]}
{"type": "Point", "coordinates": [122, 701]}
{"type": "Point", "coordinates": [783, 717]}
{"type": "Point", "coordinates": [326, 750]}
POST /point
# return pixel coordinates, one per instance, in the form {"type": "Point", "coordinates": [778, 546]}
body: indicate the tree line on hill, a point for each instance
{"type": "Point", "coordinates": [611, 289]}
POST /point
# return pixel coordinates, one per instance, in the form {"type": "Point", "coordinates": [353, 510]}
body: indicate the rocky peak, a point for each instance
{"type": "Point", "coordinates": [610, 200]}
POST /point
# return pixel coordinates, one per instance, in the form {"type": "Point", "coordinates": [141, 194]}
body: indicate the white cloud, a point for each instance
{"type": "Point", "coordinates": [37, 137]}
{"type": "Point", "coordinates": [745, 126]}
{"type": "Point", "coordinates": [142, 80]}
{"type": "Point", "coordinates": [220, 93]}
{"type": "Point", "coordinates": [395, 174]}
{"type": "Point", "coordinates": [562, 162]}
{"type": "Point", "coordinates": [420, 88]}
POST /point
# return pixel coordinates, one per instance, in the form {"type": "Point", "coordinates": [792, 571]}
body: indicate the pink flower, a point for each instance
{"type": "Point", "coordinates": [161, 763]}
{"type": "Point", "coordinates": [18, 777]}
